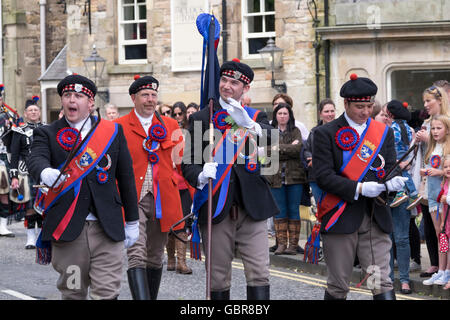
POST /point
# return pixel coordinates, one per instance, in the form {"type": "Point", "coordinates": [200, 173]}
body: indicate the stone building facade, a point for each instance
{"type": "Point", "coordinates": [400, 44]}
{"type": "Point", "coordinates": [403, 45]}
{"type": "Point", "coordinates": [21, 63]}
{"type": "Point", "coordinates": [69, 24]}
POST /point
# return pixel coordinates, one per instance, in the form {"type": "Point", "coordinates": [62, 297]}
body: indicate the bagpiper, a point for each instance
{"type": "Point", "coordinates": [22, 192]}
{"type": "Point", "coordinates": [8, 119]}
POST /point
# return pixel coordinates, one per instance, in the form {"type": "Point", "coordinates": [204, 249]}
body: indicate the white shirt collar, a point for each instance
{"type": "Point", "coordinates": [79, 124]}
{"type": "Point", "coordinates": [358, 127]}
{"type": "Point", "coordinates": [145, 122]}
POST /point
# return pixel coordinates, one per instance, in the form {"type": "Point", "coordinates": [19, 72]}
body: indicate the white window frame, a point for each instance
{"type": "Point", "coordinates": [121, 36]}
{"type": "Point", "coordinates": [253, 35]}
{"type": "Point", "coordinates": [425, 65]}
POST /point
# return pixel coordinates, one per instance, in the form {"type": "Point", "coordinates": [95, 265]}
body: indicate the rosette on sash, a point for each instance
{"type": "Point", "coordinates": [156, 134]}
{"type": "Point", "coordinates": [66, 137]}
{"type": "Point", "coordinates": [347, 138]}
{"type": "Point", "coordinates": [102, 172]}
{"type": "Point", "coordinates": [219, 120]}
{"type": "Point", "coordinates": [379, 171]}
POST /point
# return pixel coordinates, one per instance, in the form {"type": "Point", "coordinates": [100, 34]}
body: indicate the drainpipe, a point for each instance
{"type": "Point", "coordinates": [327, 54]}
{"type": "Point", "coordinates": [317, 53]}
{"type": "Point", "coordinates": [224, 31]}
{"type": "Point", "coordinates": [316, 46]}
{"type": "Point", "coordinates": [1, 42]}
{"type": "Point", "coordinates": [42, 4]}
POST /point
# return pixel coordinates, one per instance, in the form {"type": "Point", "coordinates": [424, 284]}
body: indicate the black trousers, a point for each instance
{"type": "Point", "coordinates": [414, 240]}
{"type": "Point", "coordinates": [430, 236]}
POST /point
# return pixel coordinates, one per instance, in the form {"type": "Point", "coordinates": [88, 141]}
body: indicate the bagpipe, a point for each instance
{"type": "Point", "coordinates": [9, 118]}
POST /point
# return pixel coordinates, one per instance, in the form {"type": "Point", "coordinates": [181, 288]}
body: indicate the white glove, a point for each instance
{"type": "Point", "coordinates": [209, 171]}
{"type": "Point", "coordinates": [131, 233]}
{"type": "Point", "coordinates": [237, 112]}
{"type": "Point", "coordinates": [49, 176]}
{"type": "Point", "coordinates": [396, 183]}
{"type": "Point", "coordinates": [372, 189]}
{"type": "Point", "coordinates": [447, 199]}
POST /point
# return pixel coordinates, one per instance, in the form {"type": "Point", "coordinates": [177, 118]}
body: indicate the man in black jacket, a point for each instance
{"type": "Point", "coordinates": [351, 155]}
{"type": "Point", "coordinates": [239, 213]}
{"type": "Point", "coordinates": [83, 206]}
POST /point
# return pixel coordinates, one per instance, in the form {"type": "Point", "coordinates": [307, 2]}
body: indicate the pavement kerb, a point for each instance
{"type": "Point", "coordinates": [296, 262]}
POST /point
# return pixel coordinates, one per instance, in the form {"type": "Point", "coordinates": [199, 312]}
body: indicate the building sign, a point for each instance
{"type": "Point", "coordinates": [187, 43]}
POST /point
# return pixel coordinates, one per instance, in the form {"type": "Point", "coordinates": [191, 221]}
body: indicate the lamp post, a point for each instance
{"type": "Point", "coordinates": [272, 57]}
{"type": "Point", "coordinates": [94, 65]}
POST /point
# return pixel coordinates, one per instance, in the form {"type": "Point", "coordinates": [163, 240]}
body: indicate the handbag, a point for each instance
{"type": "Point", "coordinates": [443, 239]}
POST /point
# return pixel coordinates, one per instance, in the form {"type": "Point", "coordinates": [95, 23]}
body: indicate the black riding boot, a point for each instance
{"type": "Point", "coordinates": [137, 280]}
{"type": "Point", "coordinates": [154, 279]}
{"type": "Point", "coordinates": [220, 295]}
{"type": "Point", "coordinates": [258, 293]}
{"type": "Point", "coordinates": [388, 295]}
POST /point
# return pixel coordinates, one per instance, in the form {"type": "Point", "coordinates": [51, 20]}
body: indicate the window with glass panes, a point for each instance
{"type": "Point", "coordinates": [409, 84]}
{"type": "Point", "coordinates": [258, 25]}
{"type": "Point", "coordinates": [132, 31]}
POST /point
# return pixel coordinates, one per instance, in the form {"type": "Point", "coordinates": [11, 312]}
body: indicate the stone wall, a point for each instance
{"type": "Point", "coordinates": [56, 29]}
{"type": "Point", "coordinates": [21, 29]}
{"type": "Point", "coordinates": [294, 30]}
{"type": "Point", "coordinates": [346, 12]}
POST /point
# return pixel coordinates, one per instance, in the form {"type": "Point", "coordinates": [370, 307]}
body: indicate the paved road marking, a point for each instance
{"type": "Point", "coordinates": [318, 282]}
{"type": "Point", "coordinates": [18, 295]}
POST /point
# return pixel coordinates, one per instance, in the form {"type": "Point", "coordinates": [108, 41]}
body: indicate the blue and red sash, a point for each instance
{"type": "Point", "coordinates": [225, 159]}
{"type": "Point", "coordinates": [356, 162]}
{"type": "Point", "coordinates": [92, 151]}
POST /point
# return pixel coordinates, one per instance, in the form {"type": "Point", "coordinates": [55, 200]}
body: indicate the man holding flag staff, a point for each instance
{"type": "Point", "coordinates": [87, 167]}
{"type": "Point", "coordinates": [353, 158]}
{"type": "Point", "coordinates": [241, 200]}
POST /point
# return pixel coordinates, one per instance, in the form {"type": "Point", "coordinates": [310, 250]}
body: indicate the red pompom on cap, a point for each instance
{"type": "Point", "coordinates": [74, 74]}
{"type": "Point", "coordinates": [353, 76]}
{"type": "Point", "coordinates": [136, 77]}
{"type": "Point", "coordinates": [405, 104]}
{"type": "Point", "coordinates": [236, 60]}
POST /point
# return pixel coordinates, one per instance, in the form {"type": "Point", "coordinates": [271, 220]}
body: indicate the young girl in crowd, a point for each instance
{"type": "Point", "coordinates": [439, 145]}
{"type": "Point", "coordinates": [445, 199]}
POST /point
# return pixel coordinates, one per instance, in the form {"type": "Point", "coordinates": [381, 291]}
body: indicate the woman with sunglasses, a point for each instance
{"type": "Point", "coordinates": [179, 114]}
{"type": "Point", "coordinates": [165, 110]}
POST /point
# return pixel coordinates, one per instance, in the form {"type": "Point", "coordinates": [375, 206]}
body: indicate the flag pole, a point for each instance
{"type": "Point", "coordinates": [210, 182]}
{"type": "Point", "coordinates": [209, 222]}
